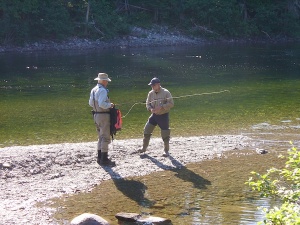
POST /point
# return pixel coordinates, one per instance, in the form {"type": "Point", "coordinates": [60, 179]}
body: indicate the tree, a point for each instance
{"type": "Point", "coordinates": [15, 19]}
{"type": "Point", "coordinates": [33, 20]}
{"type": "Point", "coordinates": [87, 17]}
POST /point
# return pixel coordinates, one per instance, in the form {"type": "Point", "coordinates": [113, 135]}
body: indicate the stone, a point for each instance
{"type": "Point", "coordinates": [89, 219]}
{"type": "Point", "coordinates": [153, 220]}
{"type": "Point", "coordinates": [128, 217]}
{"type": "Point", "coordinates": [261, 151]}
{"type": "Point", "coordinates": [6, 165]}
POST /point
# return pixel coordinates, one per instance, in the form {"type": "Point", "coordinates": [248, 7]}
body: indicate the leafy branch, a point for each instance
{"type": "Point", "coordinates": [282, 184]}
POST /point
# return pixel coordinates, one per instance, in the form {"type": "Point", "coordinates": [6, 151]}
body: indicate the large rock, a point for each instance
{"type": "Point", "coordinates": [89, 219]}
{"type": "Point", "coordinates": [137, 219]}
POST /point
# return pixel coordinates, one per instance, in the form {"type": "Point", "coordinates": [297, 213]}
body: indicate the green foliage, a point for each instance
{"type": "Point", "coordinates": [220, 17]}
{"type": "Point", "coordinates": [283, 184]}
{"type": "Point", "coordinates": [52, 20]}
{"type": "Point", "coordinates": [107, 22]}
{"type": "Point", "coordinates": [28, 20]}
{"type": "Point", "coordinates": [273, 18]}
{"type": "Point", "coordinates": [15, 19]}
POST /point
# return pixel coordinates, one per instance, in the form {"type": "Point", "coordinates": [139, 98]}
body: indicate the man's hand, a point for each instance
{"type": "Point", "coordinates": [156, 109]}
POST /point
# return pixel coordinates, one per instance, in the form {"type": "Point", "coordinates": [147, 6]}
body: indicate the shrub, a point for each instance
{"type": "Point", "coordinates": [282, 184]}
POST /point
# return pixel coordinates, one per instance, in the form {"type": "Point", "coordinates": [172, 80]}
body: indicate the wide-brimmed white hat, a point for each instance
{"type": "Point", "coordinates": [102, 76]}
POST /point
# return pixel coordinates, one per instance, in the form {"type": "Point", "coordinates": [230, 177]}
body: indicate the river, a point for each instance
{"type": "Point", "coordinates": [217, 89]}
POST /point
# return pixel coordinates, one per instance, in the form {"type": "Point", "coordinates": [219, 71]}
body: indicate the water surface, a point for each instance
{"type": "Point", "coordinates": [44, 95]}
{"type": "Point", "coordinates": [211, 192]}
{"type": "Point", "coordinates": [218, 89]}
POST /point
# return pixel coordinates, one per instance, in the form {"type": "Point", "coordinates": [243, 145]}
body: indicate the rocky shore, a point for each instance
{"type": "Point", "coordinates": [138, 37]}
{"type": "Point", "coordinates": [158, 36]}
{"type": "Point", "coordinates": [33, 174]}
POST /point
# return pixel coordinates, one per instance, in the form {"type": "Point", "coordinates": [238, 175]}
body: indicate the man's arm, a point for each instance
{"type": "Point", "coordinates": [148, 102]}
{"type": "Point", "coordinates": [170, 102]}
{"type": "Point", "coordinates": [102, 97]}
{"type": "Point", "coordinates": [91, 100]}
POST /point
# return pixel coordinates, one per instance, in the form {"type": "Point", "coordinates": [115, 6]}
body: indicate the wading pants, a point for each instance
{"type": "Point", "coordinates": [102, 121]}
{"type": "Point", "coordinates": [163, 122]}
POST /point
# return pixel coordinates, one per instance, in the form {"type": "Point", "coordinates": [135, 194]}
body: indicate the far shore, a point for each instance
{"type": "Point", "coordinates": [138, 38]}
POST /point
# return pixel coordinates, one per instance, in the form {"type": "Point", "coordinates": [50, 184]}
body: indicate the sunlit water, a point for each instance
{"type": "Point", "coordinates": [217, 89]}
{"type": "Point", "coordinates": [44, 96]}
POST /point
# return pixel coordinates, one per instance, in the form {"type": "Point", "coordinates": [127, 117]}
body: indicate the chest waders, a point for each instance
{"type": "Point", "coordinates": [94, 112]}
{"type": "Point", "coordinates": [102, 158]}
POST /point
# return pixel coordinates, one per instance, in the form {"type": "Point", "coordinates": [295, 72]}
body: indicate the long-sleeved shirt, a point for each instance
{"type": "Point", "coordinates": [162, 98]}
{"type": "Point", "coordinates": [99, 99]}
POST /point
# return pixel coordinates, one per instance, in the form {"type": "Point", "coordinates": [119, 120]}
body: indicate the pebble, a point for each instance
{"type": "Point", "coordinates": [6, 165]}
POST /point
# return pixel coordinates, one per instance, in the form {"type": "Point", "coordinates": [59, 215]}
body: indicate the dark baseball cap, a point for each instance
{"type": "Point", "coordinates": [155, 80]}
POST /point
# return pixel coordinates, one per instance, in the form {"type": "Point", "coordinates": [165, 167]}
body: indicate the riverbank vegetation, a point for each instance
{"type": "Point", "coordinates": [281, 184]}
{"type": "Point", "coordinates": [28, 21]}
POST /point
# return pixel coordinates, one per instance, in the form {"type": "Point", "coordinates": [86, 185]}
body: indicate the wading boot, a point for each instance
{"type": "Point", "coordinates": [105, 161]}
{"type": "Point", "coordinates": [146, 141]}
{"type": "Point", "coordinates": [99, 157]}
{"type": "Point", "coordinates": [148, 129]}
{"type": "Point", "coordinates": [166, 147]}
{"type": "Point", "coordinates": [165, 134]}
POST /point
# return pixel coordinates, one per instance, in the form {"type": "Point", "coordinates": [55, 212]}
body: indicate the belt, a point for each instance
{"type": "Point", "coordinates": [100, 112]}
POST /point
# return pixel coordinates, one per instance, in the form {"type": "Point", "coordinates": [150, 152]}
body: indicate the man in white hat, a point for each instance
{"type": "Point", "coordinates": [101, 104]}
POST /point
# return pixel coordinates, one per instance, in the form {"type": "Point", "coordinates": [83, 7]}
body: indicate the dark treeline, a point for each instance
{"type": "Point", "coordinates": [24, 21]}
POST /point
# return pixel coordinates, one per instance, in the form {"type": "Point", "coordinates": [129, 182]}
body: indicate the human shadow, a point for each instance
{"type": "Point", "coordinates": [181, 171]}
{"type": "Point", "coordinates": [133, 189]}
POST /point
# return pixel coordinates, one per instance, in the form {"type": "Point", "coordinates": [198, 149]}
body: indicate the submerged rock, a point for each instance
{"type": "Point", "coordinates": [137, 219]}
{"type": "Point", "coordinates": [152, 220]}
{"type": "Point", "coordinates": [128, 217]}
{"type": "Point", "coordinates": [261, 151]}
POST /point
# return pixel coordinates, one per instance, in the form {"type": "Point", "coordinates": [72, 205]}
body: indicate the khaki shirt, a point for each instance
{"type": "Point", "coordinates": [162, 99]}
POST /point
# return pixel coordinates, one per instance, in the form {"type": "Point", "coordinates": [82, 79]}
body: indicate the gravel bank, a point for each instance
{"type": "Point", "coordinates": [32, 174]}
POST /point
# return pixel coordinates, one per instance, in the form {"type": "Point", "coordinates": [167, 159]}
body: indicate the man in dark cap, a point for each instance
{"type": "Point", "coordinates": [101, 104]}
{"type": "Point", "coordinates": [159, 102]}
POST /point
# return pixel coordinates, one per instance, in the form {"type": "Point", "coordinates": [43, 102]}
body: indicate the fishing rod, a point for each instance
{"type": "Point", "coordinates": [182, 96]}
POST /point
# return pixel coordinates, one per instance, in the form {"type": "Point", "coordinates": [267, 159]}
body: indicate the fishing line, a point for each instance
{"type": "Point", "coordinates": [182, 96]}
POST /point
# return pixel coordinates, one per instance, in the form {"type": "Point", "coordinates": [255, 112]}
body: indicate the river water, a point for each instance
{"type": "Point", "coordinates": [44, 95]}
{"type": "Point", "coordinates": [217, 89]}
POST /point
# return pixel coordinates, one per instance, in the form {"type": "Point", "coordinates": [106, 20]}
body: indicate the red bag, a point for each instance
{"type": "Point", "coordinates": [115, 121]}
